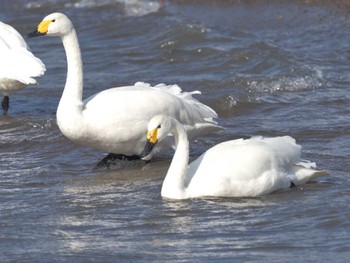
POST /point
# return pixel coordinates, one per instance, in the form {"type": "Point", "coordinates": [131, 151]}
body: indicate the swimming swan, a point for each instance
{"type": "Point", "coordinates": [115, 120]}
{"type": "Point", "coordinates": [243, 168]}
{"type": "Point", "coordinates": [18, 66]}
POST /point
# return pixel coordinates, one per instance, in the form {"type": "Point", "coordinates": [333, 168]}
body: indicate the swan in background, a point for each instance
{"type": "Point", "coordinates": [237, 168]}
{"type": "Point", "coordinates": [115, 120]}
{"type": "Point", "coordinates": [18, 66]}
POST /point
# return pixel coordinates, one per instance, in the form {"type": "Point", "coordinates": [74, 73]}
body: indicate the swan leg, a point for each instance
{"type": "Point", "coordinates": [111, 158]}
{"type": "Point", "coordinates": [5, 104]}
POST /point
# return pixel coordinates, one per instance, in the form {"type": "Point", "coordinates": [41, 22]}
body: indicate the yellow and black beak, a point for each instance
{"type": "Point", "coordinates": [152, 139]}
{"type": "Point", "coordinates": [42, 29]}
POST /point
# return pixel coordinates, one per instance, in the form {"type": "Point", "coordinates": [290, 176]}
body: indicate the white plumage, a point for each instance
{"type": "Point", "coordinates": [115, 119]}
{"type": "Point", "coordinates": [251, 167]}
{"type": "Point", "coordinates": [18, 66]}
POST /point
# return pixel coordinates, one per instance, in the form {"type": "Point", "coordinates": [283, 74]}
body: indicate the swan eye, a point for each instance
{"type": "Point", "coordinates": [159, 126]}
{"type": "Point", "coordinates": [53, 20]}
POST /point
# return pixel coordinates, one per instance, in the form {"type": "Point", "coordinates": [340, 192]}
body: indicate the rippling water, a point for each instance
{"type": "Point", "coordinates": [267, 68]}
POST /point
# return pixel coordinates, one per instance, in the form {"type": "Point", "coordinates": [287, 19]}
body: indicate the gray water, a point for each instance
{"type": "Point", "coordinates": [268, 69]}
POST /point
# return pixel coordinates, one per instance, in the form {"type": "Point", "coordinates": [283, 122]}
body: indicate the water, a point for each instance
{"type": "Point", "coordinates": [267, 69]}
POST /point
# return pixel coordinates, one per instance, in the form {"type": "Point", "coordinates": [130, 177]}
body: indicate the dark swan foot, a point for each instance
{"type": "Point", "coordinates": [292, 185]}
{"type": "Point", "coordinates": [113, 159]}
{"type": "Point", "coordinates": [5, 104]}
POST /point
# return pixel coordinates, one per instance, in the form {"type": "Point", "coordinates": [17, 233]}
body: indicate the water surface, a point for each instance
{"type": "Point", "coordinates": [277, 68]}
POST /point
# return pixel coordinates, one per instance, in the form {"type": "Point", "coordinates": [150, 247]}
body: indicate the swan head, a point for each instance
{"type": "Point", "coordinates": [158, 128]}
{"type": "Point", "coordinates": [55, 24]}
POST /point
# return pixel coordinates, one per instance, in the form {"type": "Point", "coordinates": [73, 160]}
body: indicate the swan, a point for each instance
{"type": "Point", "coordinates": [236, 168]}
{"type": "Point", "coordinates": [115, 120]}
{"type": "Point", "coordinates": [18, 66]}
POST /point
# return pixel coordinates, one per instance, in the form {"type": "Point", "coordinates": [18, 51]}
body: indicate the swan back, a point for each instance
{"type": "Point", "coordinates": [196, 117]}
{"type": "Point", "coordinates": [250, 167]}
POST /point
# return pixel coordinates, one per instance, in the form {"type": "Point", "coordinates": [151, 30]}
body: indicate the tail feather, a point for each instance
{"type": "Point", "coordinates": [305, 172]}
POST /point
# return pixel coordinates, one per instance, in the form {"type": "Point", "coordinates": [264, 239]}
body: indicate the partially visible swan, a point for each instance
{"type": "Point", "coordinates": [115, 120]}
{"type": "Point", "coordinates": [243, 168]}
{"type": "Point", "coordinates": [18, 66]}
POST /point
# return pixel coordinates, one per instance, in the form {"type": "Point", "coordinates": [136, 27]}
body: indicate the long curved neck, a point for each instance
{"type": "Point", "coordinates": [173, 185]}
{"type": "Point", "coordinates": [73, 91]}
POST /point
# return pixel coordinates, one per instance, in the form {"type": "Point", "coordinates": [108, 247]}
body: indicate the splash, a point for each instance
{"type": "Point", "coordinates": [310, 80]}
{"type": "Point", "coordinates": [140, 7]}
{"type": "Point", "coordinates": [129, 7]}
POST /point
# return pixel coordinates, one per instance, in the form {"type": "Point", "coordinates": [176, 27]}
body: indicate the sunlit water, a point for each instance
{"type": "Point", "coordinates": [267, 69]}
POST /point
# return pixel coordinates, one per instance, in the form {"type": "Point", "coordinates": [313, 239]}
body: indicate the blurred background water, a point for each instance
{"type": "Point", "coordinates": [267, 67]}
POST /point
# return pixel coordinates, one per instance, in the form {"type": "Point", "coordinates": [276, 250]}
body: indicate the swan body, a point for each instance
{"type": "Point", "coordinates": [237, 168]}
{"type": "Point", "coordinates": [115, 120]}
{"type": "Point", "coordinates": [18, 66]}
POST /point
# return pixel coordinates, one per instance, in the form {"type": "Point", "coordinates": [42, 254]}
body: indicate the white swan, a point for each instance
{"type": "Point", "coordinates": [252, 167]}
{"type": "Point", "coordinates": [18, 66]}
{"type": "Point", "coordinates": [115, 120]}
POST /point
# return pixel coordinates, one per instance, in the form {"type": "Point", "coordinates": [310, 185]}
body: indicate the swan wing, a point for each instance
{"type": "Point", "coordinates": [18, 66]}
{"type": "Point", "coordinates": [11, 36]}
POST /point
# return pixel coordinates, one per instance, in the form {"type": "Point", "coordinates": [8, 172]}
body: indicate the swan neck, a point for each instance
{"type": "Point", "coordinates": [73, 90]}
{"type": "Point", "coordinates": [173, 185]}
